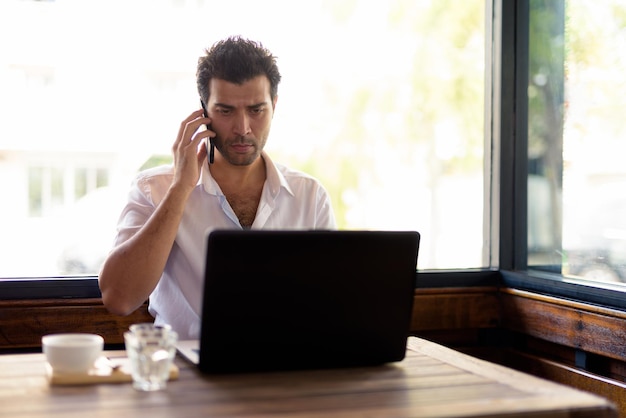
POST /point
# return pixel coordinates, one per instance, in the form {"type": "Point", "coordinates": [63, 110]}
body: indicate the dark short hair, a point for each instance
{"type": "Point", "coordinates": [236, 60]}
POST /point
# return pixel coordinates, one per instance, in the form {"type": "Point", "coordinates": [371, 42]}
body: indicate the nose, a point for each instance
{"type": "Point", "coordinates": [241, 124]}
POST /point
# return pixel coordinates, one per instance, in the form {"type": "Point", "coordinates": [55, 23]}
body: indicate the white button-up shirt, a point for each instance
{"type": "Point", "coordinates": [290, 200]}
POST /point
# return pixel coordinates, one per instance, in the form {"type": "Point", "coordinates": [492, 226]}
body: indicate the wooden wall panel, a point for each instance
{"type": "Point", "coordinates": [23, 323]}
{"type": "Point", "coordinates": [455, 308]}
{"type": "Point", "coordinates": [592, 329]}
{"type": "Point", "coordinates": [455, 312]}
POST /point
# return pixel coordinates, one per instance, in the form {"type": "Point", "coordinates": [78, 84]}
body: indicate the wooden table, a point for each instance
{"type": "Point", "coordinates": [433, 381]}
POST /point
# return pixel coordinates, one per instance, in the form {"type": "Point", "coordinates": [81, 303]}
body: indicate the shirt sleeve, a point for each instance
{"type": "Point", "coordinates": [325, 214]}
{"type": "Point", "coordinates": [136, 213]}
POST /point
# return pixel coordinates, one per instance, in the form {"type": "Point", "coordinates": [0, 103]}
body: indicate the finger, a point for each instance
{"type": "Point", "coordinates": [184, 124]}
{"type": "Point", "coordinates": [196, 128]}
{"type": "Point", "coordinates": [191, 137]}
{"type": "Point", "coordinates": [199, 136]}
{"type": "Point", "coordinates": [202, 154]}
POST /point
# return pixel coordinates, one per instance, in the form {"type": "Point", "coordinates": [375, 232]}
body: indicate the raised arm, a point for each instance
{"type": "Point", "coordinates": [133, 268]}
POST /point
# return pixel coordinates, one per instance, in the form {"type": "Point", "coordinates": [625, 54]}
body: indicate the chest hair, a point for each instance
{"type": "Point", "coordinates": [245, 205]}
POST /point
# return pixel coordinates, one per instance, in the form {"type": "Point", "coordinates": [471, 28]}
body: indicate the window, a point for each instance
{"type": "Point", "coordinates": [577, 139]}
{"type": "Point", "coordinates": [382, 101]}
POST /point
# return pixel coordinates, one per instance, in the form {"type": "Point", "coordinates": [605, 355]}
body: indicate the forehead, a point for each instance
{"type": "Point", "coordinates": [251, 92]}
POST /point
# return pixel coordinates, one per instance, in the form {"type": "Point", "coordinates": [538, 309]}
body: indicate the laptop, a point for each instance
{"type": "Point", "coordinates": [307, 299]}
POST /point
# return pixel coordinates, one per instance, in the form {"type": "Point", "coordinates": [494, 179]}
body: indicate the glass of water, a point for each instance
{"type": "Point", "coordinates": [150, 349]}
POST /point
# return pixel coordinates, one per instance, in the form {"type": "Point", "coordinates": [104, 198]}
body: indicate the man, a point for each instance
{"type": "Point", "coordinates": [159, 249]}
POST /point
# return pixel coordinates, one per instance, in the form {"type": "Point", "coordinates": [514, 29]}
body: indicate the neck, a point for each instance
{"type": "Point", "coordinates": [226, 174]}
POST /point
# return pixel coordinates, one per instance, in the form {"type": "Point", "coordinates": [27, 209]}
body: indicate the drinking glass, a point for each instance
{"type": "Point", "coordinates": [151, 349]}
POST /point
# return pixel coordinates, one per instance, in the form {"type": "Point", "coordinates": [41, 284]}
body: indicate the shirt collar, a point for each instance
{"type": "Point", "coordinates": [274, 179]}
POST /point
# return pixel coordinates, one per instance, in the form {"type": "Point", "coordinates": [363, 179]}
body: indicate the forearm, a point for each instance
{"type": "Point", "coordinates": [133, 269]}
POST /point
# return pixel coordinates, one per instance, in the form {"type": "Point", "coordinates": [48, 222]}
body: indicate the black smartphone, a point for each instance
{"type": "Point", "coordinates": [209, 141]}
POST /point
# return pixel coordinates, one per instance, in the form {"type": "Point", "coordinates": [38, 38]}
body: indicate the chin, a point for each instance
{"type": "Point", "coordinates": [243, 160]}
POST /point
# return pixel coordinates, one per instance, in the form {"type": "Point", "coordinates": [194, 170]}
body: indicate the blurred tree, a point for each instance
{"type": "Point", "coordinates": [545, 129]}
{"type": "Point", "coordinates": [426, 118]}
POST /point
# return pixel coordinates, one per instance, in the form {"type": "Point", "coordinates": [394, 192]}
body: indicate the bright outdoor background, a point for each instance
{"type": "Point", "coordinates": [382, 101]}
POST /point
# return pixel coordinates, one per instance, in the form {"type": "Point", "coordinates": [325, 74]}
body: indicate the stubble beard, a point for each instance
{"type": "Point", "coordinates": [238, 159]}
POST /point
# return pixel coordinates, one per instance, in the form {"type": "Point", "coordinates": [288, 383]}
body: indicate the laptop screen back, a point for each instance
{"type": "Point", "coordinates": [281, 300]}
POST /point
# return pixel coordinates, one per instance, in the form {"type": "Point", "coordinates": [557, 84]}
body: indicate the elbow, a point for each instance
{"type": "Point", "coordinates": [114, 299]}
{"type": "Point", "coordinates": [116, 304]}
{"type": "Point", "coordinates": [121, 295]}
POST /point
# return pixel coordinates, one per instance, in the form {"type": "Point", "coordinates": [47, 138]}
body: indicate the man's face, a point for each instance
{"type": "Point", "coordinates": [241, 115]}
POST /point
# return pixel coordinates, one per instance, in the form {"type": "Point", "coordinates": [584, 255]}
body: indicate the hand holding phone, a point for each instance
{"type": "Point", "coordinates": [209, 144]}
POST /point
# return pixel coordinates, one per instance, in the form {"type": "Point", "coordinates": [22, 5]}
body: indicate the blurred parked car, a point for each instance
{"type": "Point", "coordinates": [598, 249]}
{"type": "Point", "coordinates": [90, 226]}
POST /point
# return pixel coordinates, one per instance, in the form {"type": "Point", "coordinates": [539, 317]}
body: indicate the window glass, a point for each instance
{"type": "Point", "coordinates": [577, 138]}
{"type": "Point", "coordinates": [382, 101]}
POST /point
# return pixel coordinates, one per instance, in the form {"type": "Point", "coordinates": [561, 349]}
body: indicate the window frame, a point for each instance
{"type": "Point", "coordinates": [511, 20]}
{"type": "Point", "coordinates": [49, 288]}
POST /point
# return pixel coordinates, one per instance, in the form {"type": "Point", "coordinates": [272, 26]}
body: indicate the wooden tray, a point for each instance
{"type": "Point", "coordinates": [115, 370]}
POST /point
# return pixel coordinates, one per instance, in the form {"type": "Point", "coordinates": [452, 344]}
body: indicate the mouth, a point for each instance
{"type": "Point", "coordinates": [241, 148]}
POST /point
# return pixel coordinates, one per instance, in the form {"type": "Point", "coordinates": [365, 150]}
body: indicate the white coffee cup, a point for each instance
{"type": "Point", "coordinates": [72, 352]}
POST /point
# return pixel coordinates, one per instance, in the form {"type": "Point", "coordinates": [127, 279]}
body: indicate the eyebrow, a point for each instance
{"type": "Point", "coordinates": [253, 106]}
